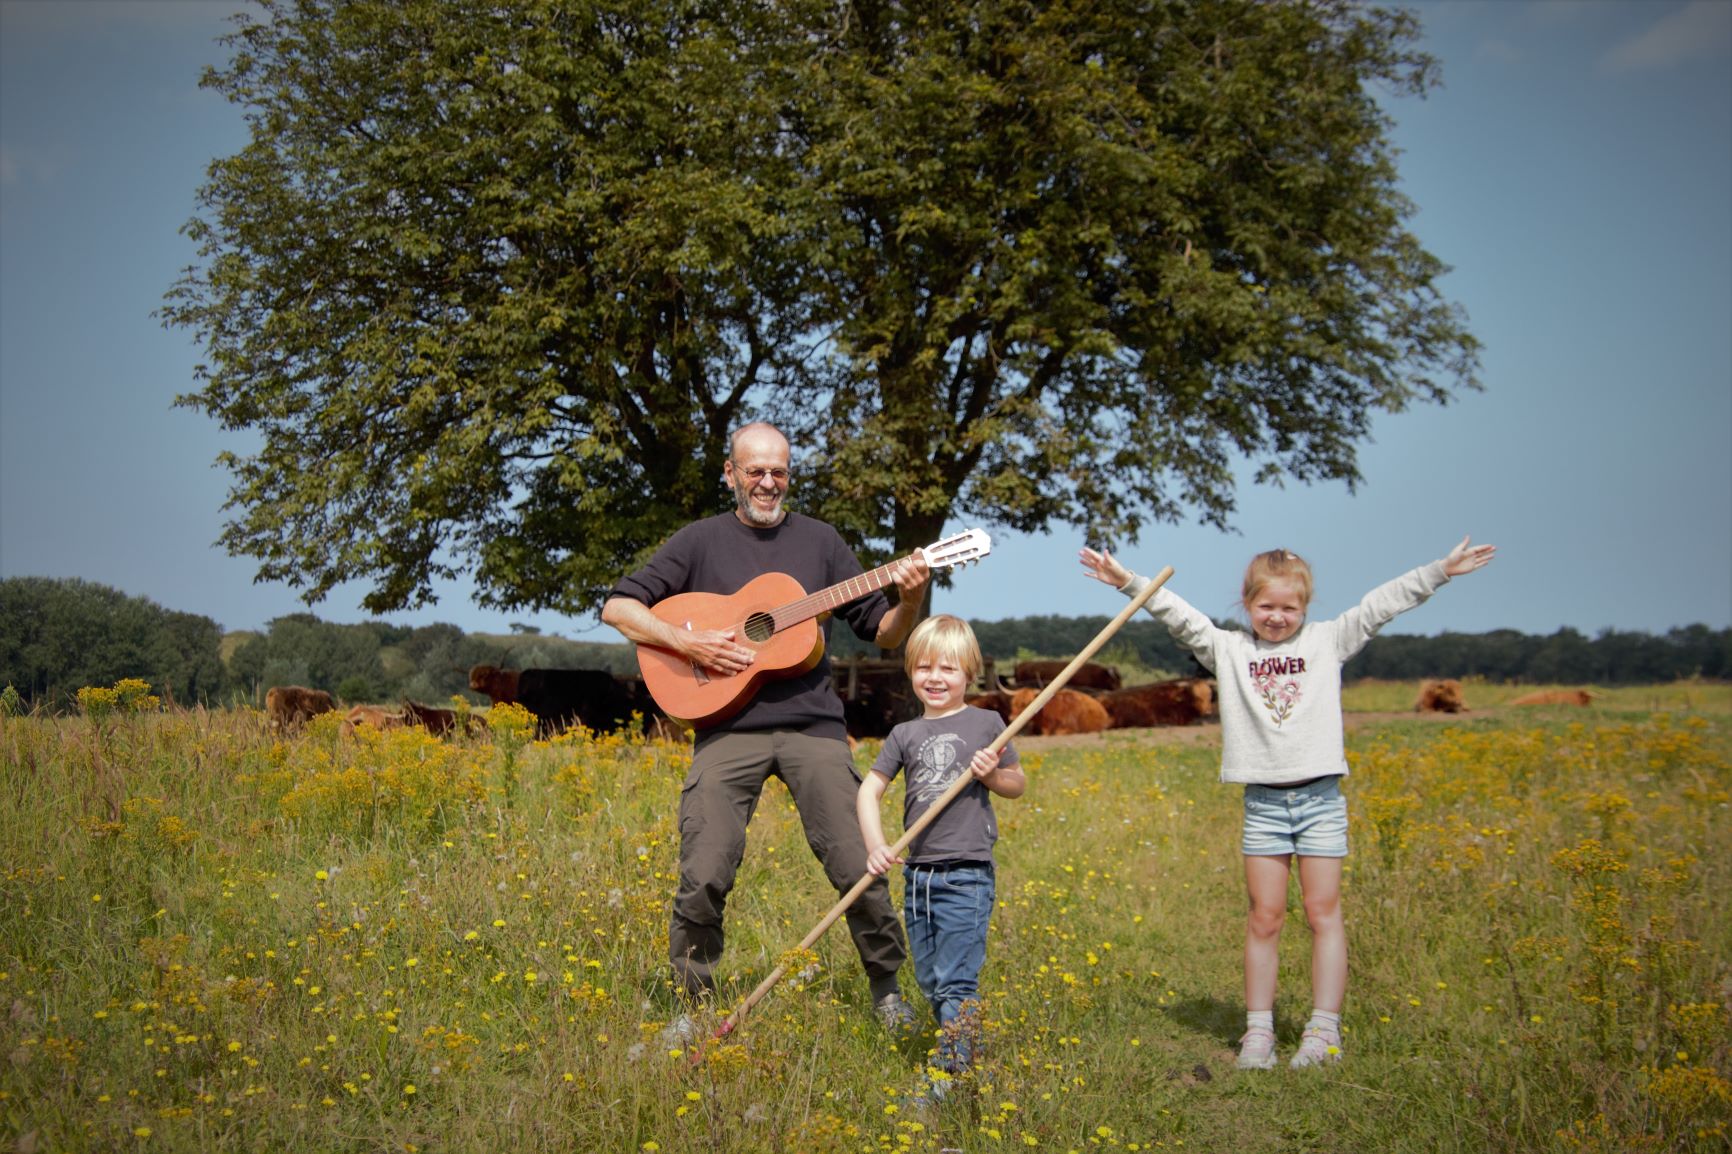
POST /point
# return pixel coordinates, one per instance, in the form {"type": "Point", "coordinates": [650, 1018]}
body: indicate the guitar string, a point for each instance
{"type": "Point", "coordinates": [813, 603]}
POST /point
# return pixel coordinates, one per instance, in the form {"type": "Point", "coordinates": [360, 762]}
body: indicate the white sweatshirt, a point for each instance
{"type": "Point", "coordinates": [1281, 704]}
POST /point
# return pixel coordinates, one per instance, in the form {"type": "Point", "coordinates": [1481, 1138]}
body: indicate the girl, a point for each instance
{"type": "Point", "coordinates": [1280, 697]}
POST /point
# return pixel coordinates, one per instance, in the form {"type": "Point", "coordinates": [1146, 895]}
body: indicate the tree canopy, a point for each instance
{"type": "Point", "coordinates": [492, 281]}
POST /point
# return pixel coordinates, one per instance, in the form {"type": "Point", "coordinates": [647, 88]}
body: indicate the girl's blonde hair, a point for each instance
{"type": "Point", "coordinates": [943, 636]}
{"type": "Point", "coordinates": [1276, 565]}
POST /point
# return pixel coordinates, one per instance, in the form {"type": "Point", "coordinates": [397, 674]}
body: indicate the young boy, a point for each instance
{"type": "Point", "coordinates": [947, 901]}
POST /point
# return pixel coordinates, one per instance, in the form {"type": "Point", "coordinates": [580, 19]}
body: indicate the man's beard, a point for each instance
{"type": "Point", "coordinates": [761, 518]}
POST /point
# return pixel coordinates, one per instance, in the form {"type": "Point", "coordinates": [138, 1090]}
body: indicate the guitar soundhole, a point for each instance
{"type": "Point", "coordinates": [759, 626]}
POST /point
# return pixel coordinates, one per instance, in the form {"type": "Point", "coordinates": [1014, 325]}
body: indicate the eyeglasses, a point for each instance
{"type": "Point", "coordinates": [780, 476]}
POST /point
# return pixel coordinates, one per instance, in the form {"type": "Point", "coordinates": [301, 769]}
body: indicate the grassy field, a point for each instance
{"type": "Point", "coordinates": [212, 939]}
{"type": "Point", "coordinates": [1683, 697]}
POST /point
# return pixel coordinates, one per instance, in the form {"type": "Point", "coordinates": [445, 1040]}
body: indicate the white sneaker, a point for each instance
{"type": "Point", "coordinates": [1257, 1049]}
{"type": "Point", "coordinates": [1315, 1049]}
{"type": "Point", "coordinates": [682, 1031]}
{"type": "Point", "coordinates": [931, 1093]}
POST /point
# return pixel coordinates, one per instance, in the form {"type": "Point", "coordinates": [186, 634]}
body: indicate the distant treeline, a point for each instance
{"type": "Point", "coordinates": [1567, 657]}
{"type": "Point", "coordinates": [58, 635]}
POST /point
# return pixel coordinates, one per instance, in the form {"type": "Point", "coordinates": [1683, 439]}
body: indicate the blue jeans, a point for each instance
{"type": "Point", "coordinates": [948, 907]}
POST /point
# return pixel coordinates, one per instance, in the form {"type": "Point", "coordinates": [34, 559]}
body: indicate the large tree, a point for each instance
{"type": "Point", "coordinates": [493, 278]}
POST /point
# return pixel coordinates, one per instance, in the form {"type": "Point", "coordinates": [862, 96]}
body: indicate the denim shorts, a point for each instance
{"type": "Point", "coordinates": [1309, 820]}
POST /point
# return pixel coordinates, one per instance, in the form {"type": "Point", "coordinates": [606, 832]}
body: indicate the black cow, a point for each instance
{"type": "Point", "coordinates": [560, 697]}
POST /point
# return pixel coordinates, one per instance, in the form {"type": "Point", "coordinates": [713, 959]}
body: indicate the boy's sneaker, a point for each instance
{"type": "Point", "coordinates": [1315, 1049]}
{"type": "Point", "coordinates": [681, 1031]}
{"type": "Point", "coordinates": [933, 1090]}
{"type": "Point", "coordinates": [896, 1014]}
{"type": "Point", "coordinates": [1257, 1049]}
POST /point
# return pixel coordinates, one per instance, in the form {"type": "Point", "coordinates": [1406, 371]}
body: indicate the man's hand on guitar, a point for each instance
{"type": "Point", "coordinates": [716, 650]}
{"type": "Point", "coordinates": [910, 574]}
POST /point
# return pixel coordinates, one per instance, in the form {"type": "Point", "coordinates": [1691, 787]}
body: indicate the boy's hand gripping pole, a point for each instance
{"type": "Point", "coordinates": [963, 780]}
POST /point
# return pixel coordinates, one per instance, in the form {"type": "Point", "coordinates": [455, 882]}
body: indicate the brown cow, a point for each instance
{"type": "Point", "coordinates": [371, 717]}
{"type": "Point", "coordinates": [1087, 676]}
{"type": "Point", "coordinates": [438, 722]}
{"type": "Point", "coordinates": [1555, 697]}
{"type": "Point", "coordinates": [292, 706]}
{"type": "Point", "coordinates": [500, 685]}
{"type": "Point", "coordinates": [1442, 696]}
{"type": "Point", "coordinates": [1067, 712]}
{"type": "Point", "coordinates": [1185, 701]}
{"type": "Point", "coordinates": [998, 701]}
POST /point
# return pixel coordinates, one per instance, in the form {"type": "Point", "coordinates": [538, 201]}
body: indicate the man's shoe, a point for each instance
{"type": "Point", "coordinates": [897, 1015]}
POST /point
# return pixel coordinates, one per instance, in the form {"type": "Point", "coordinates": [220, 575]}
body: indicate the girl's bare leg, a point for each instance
{"type": "Point", "coordinates": [1320, 883]}
{"type": "Point", "coordinates": [1266, 883]}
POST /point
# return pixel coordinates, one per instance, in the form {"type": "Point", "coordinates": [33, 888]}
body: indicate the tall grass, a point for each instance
{"type": "Point", "coordinates": [212, 938]}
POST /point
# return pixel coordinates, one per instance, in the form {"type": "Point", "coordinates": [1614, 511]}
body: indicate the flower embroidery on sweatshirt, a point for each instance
{"type": "Point", "coordinates": [1279, 696]}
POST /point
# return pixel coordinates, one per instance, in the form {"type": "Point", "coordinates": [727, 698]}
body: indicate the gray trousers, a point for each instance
{"type": "Point", "coordinates": [720, 794]}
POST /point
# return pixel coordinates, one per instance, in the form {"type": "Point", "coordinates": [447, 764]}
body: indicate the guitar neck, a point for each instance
{"type": "Point", "coordinates": [836, 596]}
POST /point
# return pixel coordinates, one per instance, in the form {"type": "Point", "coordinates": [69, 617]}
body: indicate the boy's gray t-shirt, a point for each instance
{"type": "Point", "coordinates": [934, 751]}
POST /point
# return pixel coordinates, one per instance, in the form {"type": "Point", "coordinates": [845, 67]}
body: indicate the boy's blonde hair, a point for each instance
{"type": "Point", "coordinates": [1276, 565]}
{"type": "Point", "coordinates": [943, 635]}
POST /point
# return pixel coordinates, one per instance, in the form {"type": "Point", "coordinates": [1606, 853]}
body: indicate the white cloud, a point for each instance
{"type": "Point", "coordinates": [1702, 28]}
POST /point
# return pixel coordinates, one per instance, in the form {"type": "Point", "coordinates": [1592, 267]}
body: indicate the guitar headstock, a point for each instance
{"type": "Point", "coordinates": [960, 549]}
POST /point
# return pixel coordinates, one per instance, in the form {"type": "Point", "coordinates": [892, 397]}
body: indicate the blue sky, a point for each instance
{"type": "Point", "coordinates": [1575, 170]}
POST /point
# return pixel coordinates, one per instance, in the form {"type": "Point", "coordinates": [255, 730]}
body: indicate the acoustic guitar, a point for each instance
{"type": "Point", "coordinates": [774, 616]}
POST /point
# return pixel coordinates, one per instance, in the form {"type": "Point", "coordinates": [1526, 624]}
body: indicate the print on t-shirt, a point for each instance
{"type": "Point", "coordinates": [935, 767]}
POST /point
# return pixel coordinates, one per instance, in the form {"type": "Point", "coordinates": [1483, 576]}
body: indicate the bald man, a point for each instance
{"type": "Point", "coordinates": [792, 728]}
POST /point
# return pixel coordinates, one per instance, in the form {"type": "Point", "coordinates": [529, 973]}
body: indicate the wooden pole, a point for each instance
{"type": "Point", "coordinates": [962, 782]}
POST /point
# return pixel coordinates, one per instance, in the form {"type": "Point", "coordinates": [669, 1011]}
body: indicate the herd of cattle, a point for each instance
{"type": "Point", "coordinates": [1444, 696]}
{"type": "Point", "coordinates": [1093, 700]}
{"type": "Point", "coordinates": [875, 696]}
{"type": "Point", "coordinates": [557, 698]}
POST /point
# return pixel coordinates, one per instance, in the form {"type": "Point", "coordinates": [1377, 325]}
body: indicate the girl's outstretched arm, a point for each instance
{"type": "Point", "coordinates": [1102, 566]}
{"type": "Point", "coordinates": [1467, 557]}
{"type": "Point", "coordinates": [1189, 627]}
{"type": "Point", "coordinates": [1391, 599]}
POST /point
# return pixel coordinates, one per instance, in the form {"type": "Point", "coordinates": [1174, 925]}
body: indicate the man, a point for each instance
{"type": "Point", "coordinates": [792, 727]}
